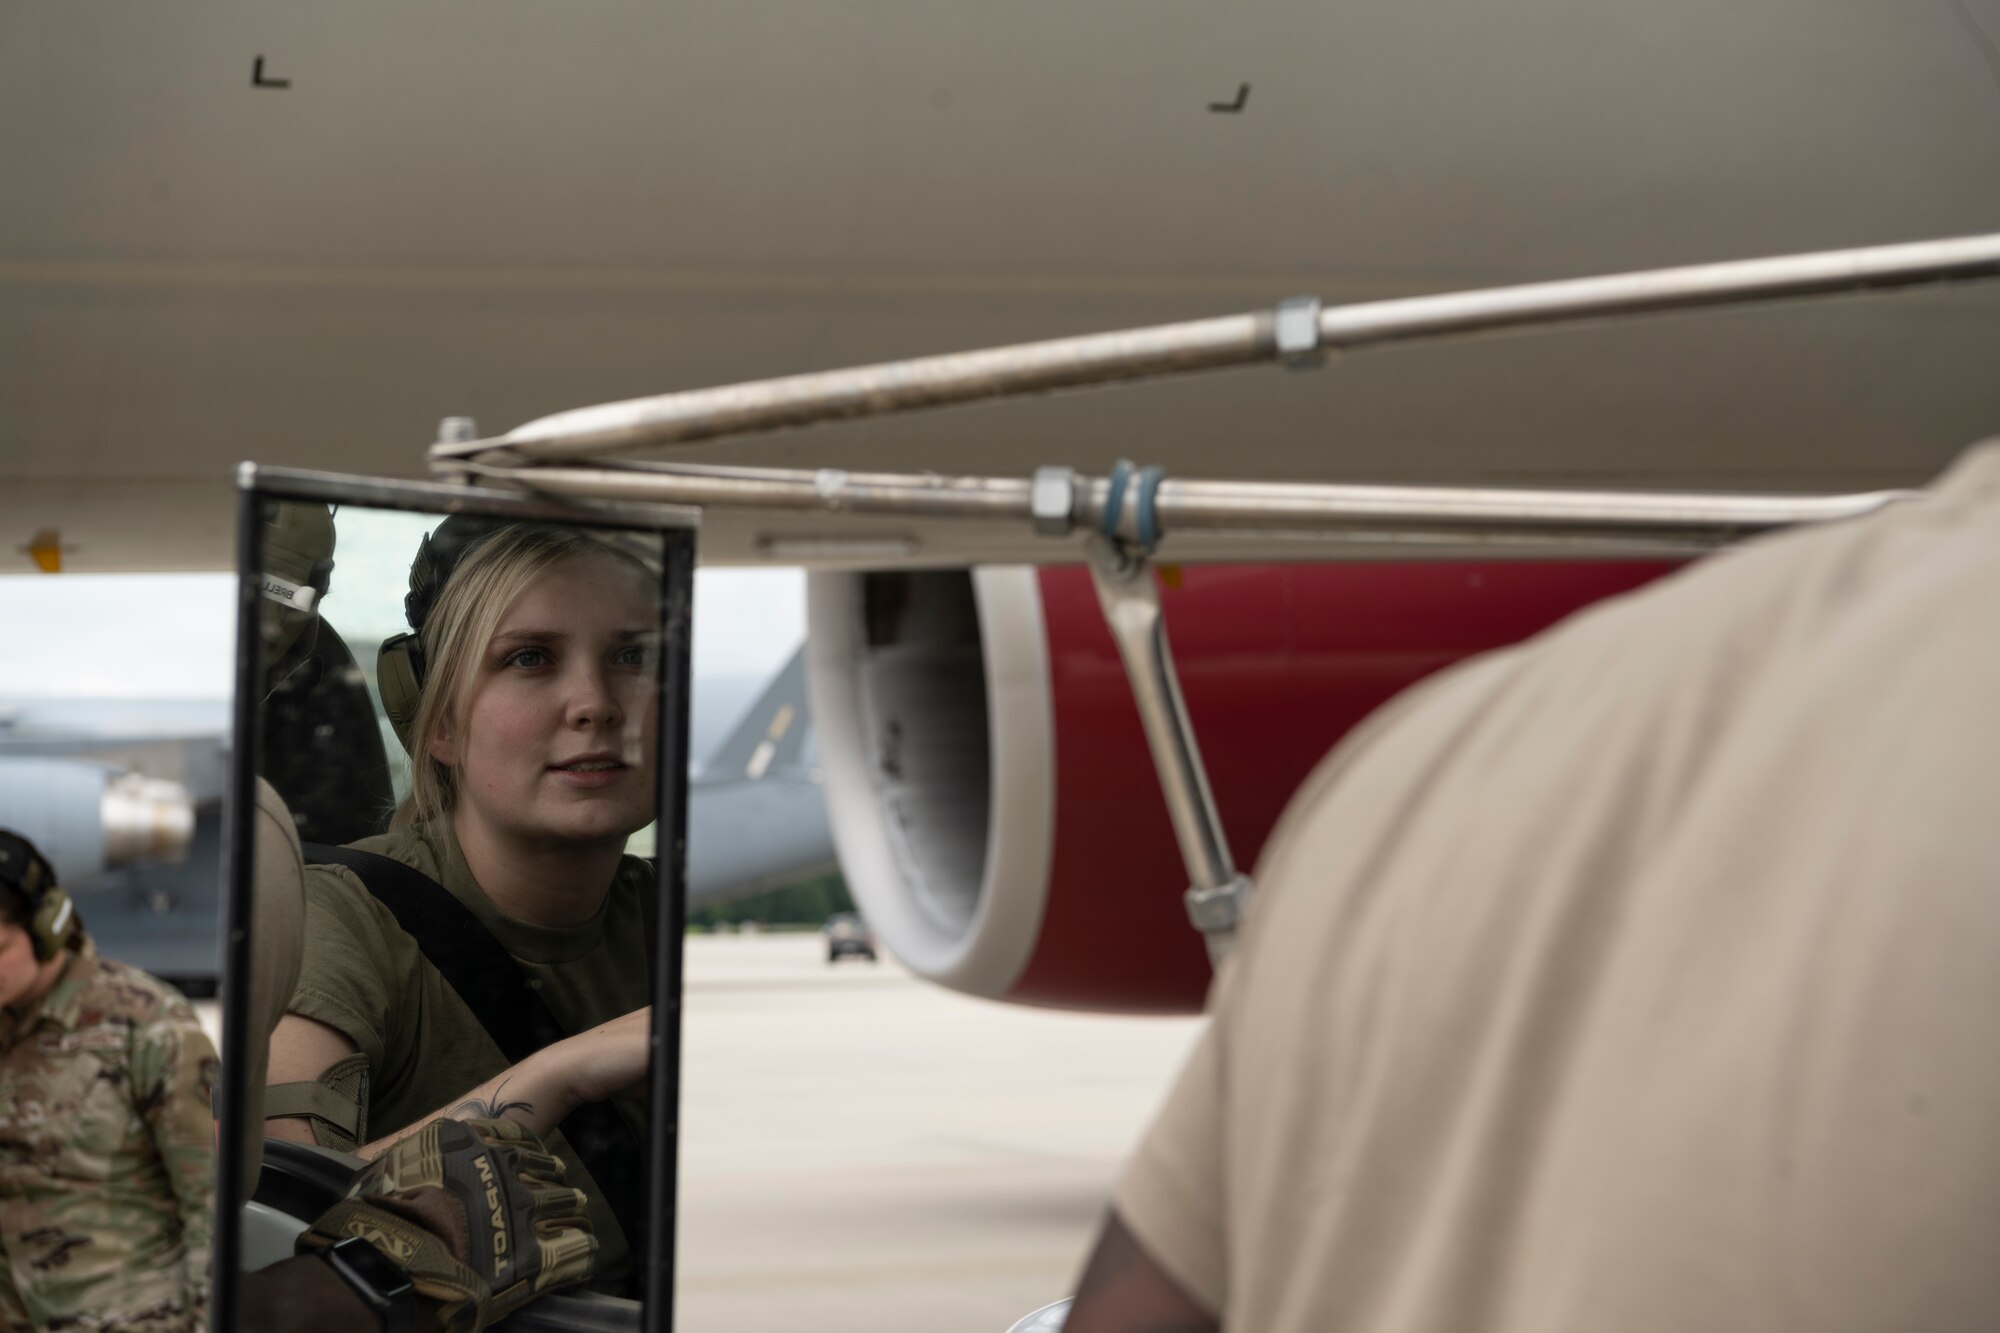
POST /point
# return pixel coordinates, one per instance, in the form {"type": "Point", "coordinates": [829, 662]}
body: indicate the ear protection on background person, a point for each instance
{"type": "Point", "coordinates": [298, 554]}
{"type": "Point", "coordinates": [52, 922]}
{"type": "Point", "coordinates": [399, 663]}
{"type": "Point", "coordinates": [298, 570]}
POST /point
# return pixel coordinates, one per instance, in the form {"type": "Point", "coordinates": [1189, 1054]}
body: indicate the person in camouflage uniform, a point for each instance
{"type": "Point", "coordinates": [107, 1141]}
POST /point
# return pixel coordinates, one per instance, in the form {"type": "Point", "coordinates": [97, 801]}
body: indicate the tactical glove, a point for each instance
{"type": "Point", "coordinates": [475, 1212]}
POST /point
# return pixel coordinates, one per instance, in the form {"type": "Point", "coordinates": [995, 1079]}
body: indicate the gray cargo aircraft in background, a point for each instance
{"type": "Point", "coordinates": [125, 797]}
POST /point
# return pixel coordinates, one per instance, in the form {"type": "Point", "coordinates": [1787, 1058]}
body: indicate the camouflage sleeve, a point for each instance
{"type": "Point", "coordinates": [174, 1073]}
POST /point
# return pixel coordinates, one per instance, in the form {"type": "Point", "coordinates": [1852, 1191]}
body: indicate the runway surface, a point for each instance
{"type": "Point", "coordinates": [862, 1151]}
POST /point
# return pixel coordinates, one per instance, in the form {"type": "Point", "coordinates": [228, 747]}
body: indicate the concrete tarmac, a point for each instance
{"type": "Point", "coordinates": [863, 1151]}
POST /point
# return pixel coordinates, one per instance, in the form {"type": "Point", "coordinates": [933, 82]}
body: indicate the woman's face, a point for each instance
{"type": "Point", "coordinates": [20, 970]}
{"type": "Point", "coordinates": [556, 742]}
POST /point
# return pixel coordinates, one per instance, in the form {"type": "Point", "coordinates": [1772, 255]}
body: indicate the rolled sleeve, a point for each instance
{"type": "Point", "coordinates": [340, 975]}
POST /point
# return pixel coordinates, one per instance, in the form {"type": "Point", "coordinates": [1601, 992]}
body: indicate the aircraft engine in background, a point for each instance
{"type": "Point", "coordinates": [992, 797]}
{"type": "Point", "coordinates": [89, 818]}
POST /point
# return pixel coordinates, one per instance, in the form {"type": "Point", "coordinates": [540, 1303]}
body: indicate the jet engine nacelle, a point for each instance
{"type": "Point", "coordinates": [992, 797]}
{"type": "Point", "coordinates": [88, 818]}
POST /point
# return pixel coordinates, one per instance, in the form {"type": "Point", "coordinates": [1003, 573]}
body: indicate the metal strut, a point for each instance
{"type": "Point", "coordinates": [1299, 333]}
{"type": "Point", "coordinates": [1129, 595]}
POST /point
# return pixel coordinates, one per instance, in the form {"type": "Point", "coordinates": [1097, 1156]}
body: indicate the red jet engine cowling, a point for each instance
{"type": "Point", "coordinates": [992, 798]}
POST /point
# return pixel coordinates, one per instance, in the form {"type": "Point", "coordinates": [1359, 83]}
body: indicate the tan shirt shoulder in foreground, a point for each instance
{"type": "Point", "coordinates": [1642, 977]}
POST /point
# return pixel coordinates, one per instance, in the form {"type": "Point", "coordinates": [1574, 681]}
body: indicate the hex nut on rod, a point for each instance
{"type": "Point", "coordinates": [1298, 333]}
{"type": "Point", "coordinates": [455, 430]}
{"type": "Point", "coordinates": [1217, 913]}
{"type": "Point", "coordinates": [1052, 501]}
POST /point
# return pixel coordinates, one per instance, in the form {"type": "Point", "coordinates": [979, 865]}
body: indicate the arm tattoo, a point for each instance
{"type": "Point", "coordinates": [490, 1109]}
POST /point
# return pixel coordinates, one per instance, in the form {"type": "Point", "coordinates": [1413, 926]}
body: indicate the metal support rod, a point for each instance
{"type": "Point", "coordinates": [1683, 520]}
{"type": "Point", "coordinates": [1693, 515]}
{"type": "Point", "coordinates": [1693, 287]}
{"type": "Point", "coordinates": [1129, 596]}
{"type": "Point", "coordinates": [1175, 349]}
{"type": "Point", "coordinates": [827, 490]}
{"type": "Point", "coordinates": [895, 386]}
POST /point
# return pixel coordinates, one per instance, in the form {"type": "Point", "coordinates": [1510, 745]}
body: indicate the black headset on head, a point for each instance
{"type": "Point", "coordinates": [400, 665]}
{"type": "Point", "coordinates": [52, 922]}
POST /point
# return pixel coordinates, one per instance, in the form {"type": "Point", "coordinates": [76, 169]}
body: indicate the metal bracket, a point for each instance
{"type": "Point", "coordinates": [1129, 596]}
{"type": "Point", "coordinates": [1298, 333]}
{"type": "Point", "coordinates": [1131, 515]}
{"type": "Point", "coordinates": [1052, 501]}
{"type": "Point", "coordinates": [456, 430]}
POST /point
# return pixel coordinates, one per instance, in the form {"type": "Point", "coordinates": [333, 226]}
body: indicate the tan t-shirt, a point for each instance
{"type": "Point", "coordinates": [1644, 977]}
{"type": "Point", "coordinates": [364, 977]}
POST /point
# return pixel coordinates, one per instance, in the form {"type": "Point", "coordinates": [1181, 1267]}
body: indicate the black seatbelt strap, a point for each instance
{"type": "Point", "coordinates": [505, 1001]}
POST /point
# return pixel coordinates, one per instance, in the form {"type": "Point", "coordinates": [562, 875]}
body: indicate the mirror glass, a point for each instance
{"type": "Point", "coordinates": [463, 720]}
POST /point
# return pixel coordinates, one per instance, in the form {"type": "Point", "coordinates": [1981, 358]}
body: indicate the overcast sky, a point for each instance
{"type": "Point", "coordinates": [171, 635]}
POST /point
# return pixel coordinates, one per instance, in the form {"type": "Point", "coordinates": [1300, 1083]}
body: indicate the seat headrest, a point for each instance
{"type": "Point", "coordinates": [277, 916]}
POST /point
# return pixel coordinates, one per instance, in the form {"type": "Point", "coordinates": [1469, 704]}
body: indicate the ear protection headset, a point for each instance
{"type": "Point", "coordinates": [298, 554]}
{"type": "Point", "coordinates": [52, 922]}
{"type": "Point", "coordinates": [400, 666]}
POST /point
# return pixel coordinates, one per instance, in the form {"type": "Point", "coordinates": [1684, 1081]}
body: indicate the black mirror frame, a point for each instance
{"type": "Point", "coordinates": [676, 529]}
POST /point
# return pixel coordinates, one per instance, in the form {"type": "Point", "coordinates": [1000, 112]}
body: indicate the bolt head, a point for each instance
{"type": "Point", "coordinates": [1052, 500]}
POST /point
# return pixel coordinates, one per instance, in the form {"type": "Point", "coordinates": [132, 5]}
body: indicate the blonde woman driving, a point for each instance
{"type": "Point", "coordinates": [532, 746]}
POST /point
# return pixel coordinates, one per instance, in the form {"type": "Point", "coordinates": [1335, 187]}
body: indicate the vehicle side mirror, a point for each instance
{"type": "Point", "coordinates": [345, 869]}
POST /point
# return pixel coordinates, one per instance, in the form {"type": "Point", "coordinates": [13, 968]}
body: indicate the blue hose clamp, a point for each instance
{"type": "Point", "coordinates": [1148, 515]}
{"type": "Point", "coordinates": [1114, 499]}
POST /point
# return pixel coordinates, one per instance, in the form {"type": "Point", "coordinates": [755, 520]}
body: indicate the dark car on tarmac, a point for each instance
{"type": "Point", "coordinates": [846, 933]}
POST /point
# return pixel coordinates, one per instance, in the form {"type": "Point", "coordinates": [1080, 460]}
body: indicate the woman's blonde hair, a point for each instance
{"type": "Point", "coordinates": [489, 579]}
